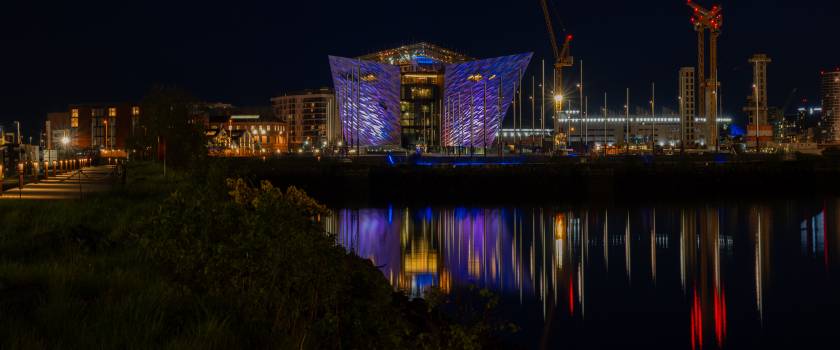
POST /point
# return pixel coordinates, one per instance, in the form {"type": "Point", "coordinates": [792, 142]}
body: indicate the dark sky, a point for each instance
{"type": "Point", "coordinates": [243, 52]}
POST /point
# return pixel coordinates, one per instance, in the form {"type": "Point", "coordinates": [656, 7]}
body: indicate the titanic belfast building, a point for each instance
{"type": "Point", "coordinates": [424, 96]}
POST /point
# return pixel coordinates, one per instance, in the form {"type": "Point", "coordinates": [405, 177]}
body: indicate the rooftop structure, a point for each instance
{"type": "Point", "coordinates": [310, 116]}
{"type": "Point", "coordinates": [419, 54]}
{"type": "Point", "coordinates": [423, 96]}
{"type": "Point", "coordinates": [831, 105]}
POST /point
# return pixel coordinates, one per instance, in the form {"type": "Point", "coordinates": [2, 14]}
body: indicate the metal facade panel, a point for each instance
{"type": "Point", "coordinates": [368, 99]}
{"type": "Point", "coordinates": [473, 105]}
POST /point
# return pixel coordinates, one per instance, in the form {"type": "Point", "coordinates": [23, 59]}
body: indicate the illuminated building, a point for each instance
{"type": "Point", "coordinates": [95, 126]}
{"type": "Point", "coordinates": [688, 107]}
{"type": "Point", "coordinates": [423, 96]}
{"type": "Point", "coordinates": [757, 103]}
{"type": "Point", "coordinates": [310, 116]}
{"type": "Point", "coordinates": [245, 132]}
{"type": "Point", "coordinates": [666, 127]}
{"type": "Point", "coordinates": [57, 127]}
{"type": "Point", "coordinates": [831, 105]}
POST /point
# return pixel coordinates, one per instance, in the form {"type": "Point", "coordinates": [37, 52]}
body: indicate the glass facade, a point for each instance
{"type": "Point", "coordinates": [368, 99]}
{"type": "Point", "coordinates": [478, 95]}
{"type": "Point", "coordinates": [421, 85]}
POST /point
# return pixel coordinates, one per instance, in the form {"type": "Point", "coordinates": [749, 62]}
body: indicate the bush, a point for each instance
{"type": "Point", "coordinates": [263, 251]}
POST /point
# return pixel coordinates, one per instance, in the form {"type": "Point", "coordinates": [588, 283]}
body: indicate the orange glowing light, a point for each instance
{"type": "Point", "coordinates": [560, 226]}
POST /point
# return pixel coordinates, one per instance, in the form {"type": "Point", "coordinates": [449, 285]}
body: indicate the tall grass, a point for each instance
{"type": "Point", "coordinates": [72, 278]}
{"type": "Point", "coordinates": [186, 262]}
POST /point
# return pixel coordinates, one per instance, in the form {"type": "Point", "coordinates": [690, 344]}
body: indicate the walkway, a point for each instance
{"type": "Point", "coordinates": [66, 186]}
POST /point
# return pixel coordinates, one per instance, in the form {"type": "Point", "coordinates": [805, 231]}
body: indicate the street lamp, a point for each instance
{"type": "Point", "coordinates": [682, 119]}
{"type": "Point", "coordinates": [581, 137]}
{"type": "Point", "coordinates": [755, 120]}
{"type": "Point", "coordinates": [106, 133]}
{"type": "Point", "coordinates": [558, 102]}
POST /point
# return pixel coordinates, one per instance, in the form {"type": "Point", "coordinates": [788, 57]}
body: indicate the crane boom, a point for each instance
{"type": "Point", "coordinates": [562, 59]}
{"type": "Point", "coordinates": [562, 55]}
{"type": "Point", "coordinates": [550, 26]}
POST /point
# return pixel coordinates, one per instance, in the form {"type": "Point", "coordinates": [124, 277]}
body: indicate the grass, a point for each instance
{"type": "Point", "coordinates": [131, 269]}
{"type": "Point", "coordinates": [71, 278]}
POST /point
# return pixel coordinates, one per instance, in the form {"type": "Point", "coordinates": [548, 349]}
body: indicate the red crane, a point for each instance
{"type": "Point", "coordinates": [710, 20]}
{"type": "Point", "coordinates": [562, 58]}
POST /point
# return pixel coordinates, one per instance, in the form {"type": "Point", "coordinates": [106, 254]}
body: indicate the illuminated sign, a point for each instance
{"type": "Point", "coordinates": [424, 60]}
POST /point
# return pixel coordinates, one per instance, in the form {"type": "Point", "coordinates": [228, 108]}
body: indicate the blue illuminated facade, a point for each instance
{"type": "Point", "coordinates": [477, 96]}
{"type": "Point", "coordinates": [425, 97]}
{"type": "Point", "coordinates": [367, 95]}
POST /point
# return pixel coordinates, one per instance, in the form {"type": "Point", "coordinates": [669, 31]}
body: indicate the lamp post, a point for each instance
{"type": "Point", "coordinates": [606, 115]}
{"type": "Point", "coordinates": [627, 121]}
{"type": "Point", "coordinates": [580, 115]}
{"type": "Point", "coordinates": [64, 142]}
{"type": "Point", "coordinates": [755, 120]}
{"type": "Point", "coordinates": [558, 102]}
{"type": "Point", "coordinates": [683, 123]}
{"type": "Point", "coordinates": [106, 133]}
{"type": "Point", "coordinates": [20, 180]}
{"type": "Point", "coordinates": [653, 118]}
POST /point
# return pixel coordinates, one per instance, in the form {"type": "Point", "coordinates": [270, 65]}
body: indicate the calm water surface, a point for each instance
{"type": "Point", "coordinates": [706, 276]}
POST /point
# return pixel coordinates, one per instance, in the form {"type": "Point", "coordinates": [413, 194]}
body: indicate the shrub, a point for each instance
{"type": "Point", "coordinates": [263, 251]}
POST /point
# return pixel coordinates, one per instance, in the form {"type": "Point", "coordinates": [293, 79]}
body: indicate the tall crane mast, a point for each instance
{"type": "Point", "coordinates": [710, 20]}
{"type": "Point", "coordinates": [562, 59]}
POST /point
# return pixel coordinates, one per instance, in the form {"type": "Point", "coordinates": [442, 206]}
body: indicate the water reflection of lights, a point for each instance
{"type": "Point", "coordinates": [544, 255]}
{"type": "Point", "coordinates": [760, 223]}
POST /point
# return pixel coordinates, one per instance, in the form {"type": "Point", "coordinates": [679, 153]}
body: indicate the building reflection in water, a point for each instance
{"type": "Point", "coordinates": [813, 236]}
{"type": "Point", "coordinates": [760, 227]}
{"type": "Point", "coordinates": [703, 248]}
{"type": "Point", "coordinates": [544, 255]}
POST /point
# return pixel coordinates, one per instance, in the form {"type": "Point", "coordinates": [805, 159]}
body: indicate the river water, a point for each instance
{"type": "Point", "coordinates": [688, 276]}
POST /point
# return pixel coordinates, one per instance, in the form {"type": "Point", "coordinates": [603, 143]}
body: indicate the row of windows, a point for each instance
{"type": "Point", "coordinates": [259, 127]}
{"type": "Point", "coordinates": [98, 112]}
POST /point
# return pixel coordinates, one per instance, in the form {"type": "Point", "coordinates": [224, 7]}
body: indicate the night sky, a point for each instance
{"type": "Point", "coordinates": [244, 53]}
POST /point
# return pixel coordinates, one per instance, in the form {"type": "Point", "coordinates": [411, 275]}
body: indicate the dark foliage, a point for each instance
{"type": "Point", "coordinates": [169, 128]}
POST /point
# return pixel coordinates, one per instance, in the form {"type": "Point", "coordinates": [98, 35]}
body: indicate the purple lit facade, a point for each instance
{"type": "Point", "coordinates": [424, 96]}
{"type": "Point", "coordinates": [368, 99]}
{"type": "Point", "coordinates": [477, 96]}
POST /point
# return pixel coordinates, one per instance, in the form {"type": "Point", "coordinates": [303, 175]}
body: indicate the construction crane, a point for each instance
{"type": "Point", "coordinates": [562, 59]}
{"type": "Point", "coordinates": [710, 20]}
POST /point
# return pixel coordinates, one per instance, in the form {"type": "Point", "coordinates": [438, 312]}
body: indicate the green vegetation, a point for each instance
{"type": "Point", "coordinates": [197, 261]}
{"type": "Point", "coordinates": [171, 128]}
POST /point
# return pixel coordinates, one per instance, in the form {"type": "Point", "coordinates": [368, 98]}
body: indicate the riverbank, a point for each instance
{"type": "Point", "coordinates": [477, 180]}
{"type": "Point", "coordinates": [192, 260]}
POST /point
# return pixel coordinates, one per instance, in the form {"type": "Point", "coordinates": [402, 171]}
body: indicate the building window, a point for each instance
{"type": "Point", "coordinates": [74, 118]}
{"type": "Point", "coordinates": [112, 112]}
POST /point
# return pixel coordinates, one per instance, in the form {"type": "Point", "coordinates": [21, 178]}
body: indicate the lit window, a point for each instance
{"type": "Point", "coordinates": [74, 118]}
{"type": "Point", "coordinates": [112, 112]}
{"type": "Point", "coordinates": [135, 111]}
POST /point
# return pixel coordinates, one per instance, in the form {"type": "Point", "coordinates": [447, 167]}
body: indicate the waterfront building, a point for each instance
{"type": "Point", "coordinates": [757, 108]}
{"type": "Point", "coordinates": [642, 131]}
{"type": "Point", "coordinates": [57, 129]}
{"type": "Point", "coordinates": [424, 96]}
{"type": "Point", "coordinates": [831, 105]}
{"type": "Point", "coordinates": [245, 132]}
{"type": "Point", "coordinates": [311, 118]}
{"type": "Point", "coordinates": [688, 108]}
{"type": "Point", "coordinates": [105, 126]}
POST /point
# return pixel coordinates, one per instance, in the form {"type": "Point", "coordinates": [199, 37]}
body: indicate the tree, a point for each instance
{"type": "Point", "coordinates": [169, 129]}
